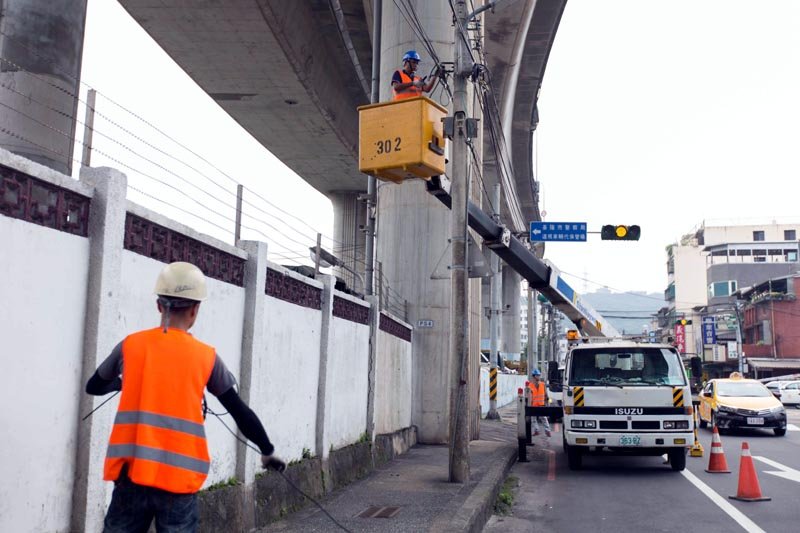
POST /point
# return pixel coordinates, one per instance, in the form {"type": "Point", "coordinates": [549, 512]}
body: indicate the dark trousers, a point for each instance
{"type": "Point", "coordinates": [133, 508]}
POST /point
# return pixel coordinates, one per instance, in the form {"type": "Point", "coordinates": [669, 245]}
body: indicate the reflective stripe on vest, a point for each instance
{"type": "Point", "coordinates": [410, 92]}
{"type": "Point", "coordinates": [538, 394]}
{"type": "Point", "coordinates": [159, 432]}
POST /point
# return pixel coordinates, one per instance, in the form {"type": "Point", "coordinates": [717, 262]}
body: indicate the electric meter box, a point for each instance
{"type": "Point", "coordinates": [402, 139]}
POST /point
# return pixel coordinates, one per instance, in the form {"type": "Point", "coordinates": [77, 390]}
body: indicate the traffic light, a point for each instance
{"type": "Point", "coordinates": [683, 322]}
{"type": "Point", "coordinates": [619, 232]}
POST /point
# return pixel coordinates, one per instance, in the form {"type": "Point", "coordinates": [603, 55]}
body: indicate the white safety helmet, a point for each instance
{"type": "Point", "coordinates": [182, 280]}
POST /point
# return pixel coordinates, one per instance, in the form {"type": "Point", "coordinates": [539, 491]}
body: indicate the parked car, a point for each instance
{"type": "Point", "coordinates": [788, 392]}
{"type": "Point", "coordinates": [741, 403]}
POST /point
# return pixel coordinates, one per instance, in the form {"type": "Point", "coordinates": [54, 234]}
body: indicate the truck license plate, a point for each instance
{"type": "Point", "coordinates": [755, 421]}
{"type": "Point", "coordinates": [634, 440]}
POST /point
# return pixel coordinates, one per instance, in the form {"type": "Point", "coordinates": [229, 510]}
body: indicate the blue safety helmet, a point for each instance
{"type": "Point", "coordinates": [411, 55]}
{"type": "Point", "coordinates": [536, 372]}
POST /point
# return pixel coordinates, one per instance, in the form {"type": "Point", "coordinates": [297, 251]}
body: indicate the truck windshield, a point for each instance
{"type": "Point", "coordinates": [626, 366]}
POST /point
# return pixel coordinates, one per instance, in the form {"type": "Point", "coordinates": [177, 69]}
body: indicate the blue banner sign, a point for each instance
{"type": "Point", "coordinates": [709, 330]}
{"type": "Point", "coordinates": [558, 231]}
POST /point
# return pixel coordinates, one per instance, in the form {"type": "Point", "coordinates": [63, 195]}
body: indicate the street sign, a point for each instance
{"type": "Point", "coordinates": [709, 330]}
{"type": "Point", "coordinates": [558, 231]}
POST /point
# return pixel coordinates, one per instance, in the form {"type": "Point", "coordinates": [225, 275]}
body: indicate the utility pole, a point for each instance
{"type": "Point", "coordinates": [494, 317]}
{"type": "Point", "coordinates": [459, 287]}
{"type": "Point", "coordinates": [369, 249]}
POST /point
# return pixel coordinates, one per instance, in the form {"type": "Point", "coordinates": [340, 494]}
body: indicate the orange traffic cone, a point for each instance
{"type": "Point", "coordinates": [717, 464]}
{"type": "Point", "coordinates": [749, 489]}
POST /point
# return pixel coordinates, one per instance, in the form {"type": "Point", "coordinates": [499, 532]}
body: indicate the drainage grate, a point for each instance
{"type": "Point", "coordinates": [379, 512]}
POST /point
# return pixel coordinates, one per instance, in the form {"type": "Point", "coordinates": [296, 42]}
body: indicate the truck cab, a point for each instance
{"type": "Point", "coordinates": [626, 397]}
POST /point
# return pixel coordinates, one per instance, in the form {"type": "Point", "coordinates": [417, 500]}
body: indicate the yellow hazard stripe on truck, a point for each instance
{"type": "Point", "coordinates": [577, 394]}
{"type": "Point", "coordinates": [677, 397]}
{"type": "Point", "coordinates": [493, 383]}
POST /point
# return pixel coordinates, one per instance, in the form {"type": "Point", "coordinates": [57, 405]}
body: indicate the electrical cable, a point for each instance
{"type": "Point", "coordinates": [295, 487]}
{"type": "Point", "coordinates": [99, 406]}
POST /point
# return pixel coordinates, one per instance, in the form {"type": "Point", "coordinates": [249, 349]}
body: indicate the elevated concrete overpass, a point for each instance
{"type": "Point", "coordinates": [293, 73]}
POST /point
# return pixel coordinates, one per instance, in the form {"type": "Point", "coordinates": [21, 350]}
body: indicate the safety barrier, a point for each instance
{"type": "Point", "coordinates": [524, 414]}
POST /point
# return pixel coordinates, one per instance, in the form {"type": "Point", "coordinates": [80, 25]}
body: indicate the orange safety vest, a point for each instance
{"type": "Point", "coordinates": [410, 92]}
{"type": "Point", "coordinates": [538, 394]}
{"type": "Point", "coordinates": [159, 432]}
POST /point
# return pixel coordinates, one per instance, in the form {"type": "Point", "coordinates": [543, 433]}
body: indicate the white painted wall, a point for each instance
{"type": "Point", "coordinates": [43, 297]}
{"type": "Point", "coordinates": [43, 279]}
{"type": "Point", "coordinates": [288, 403]}
{"type": "Point", "coordinates": [507, 385]}
{"type": "Point", "coordinates": [348, 362]}
{"type": "Point", "coordinates": [392, 383]}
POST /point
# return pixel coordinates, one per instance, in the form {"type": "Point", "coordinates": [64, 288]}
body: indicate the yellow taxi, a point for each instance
{"type": "Point", "coordinates": [737, 402]}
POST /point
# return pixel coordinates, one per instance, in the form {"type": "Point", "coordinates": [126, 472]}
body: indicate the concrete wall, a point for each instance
{"type": "Point", "coordinates": [292, 359]}
{"type": "Point", "coordinates": [392, 383]}
{"type": "Point", "coordinates": [43, 294]}
{"type": "Point", "coordinates": [348, 366]}
{"type": "Point", "coordinates": [507, 385]}
{"type": "Point", "coordinates": [70, 295]}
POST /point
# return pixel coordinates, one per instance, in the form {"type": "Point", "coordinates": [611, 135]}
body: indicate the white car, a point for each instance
{"type": "Point", "coordinates": [788, 391]}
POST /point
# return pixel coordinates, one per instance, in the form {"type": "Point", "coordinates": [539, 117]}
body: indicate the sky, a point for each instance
{"type": "Point", "coordinates": [659, 113]}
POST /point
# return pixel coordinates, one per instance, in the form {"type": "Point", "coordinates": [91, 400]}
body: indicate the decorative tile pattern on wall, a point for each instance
{"type": "Point", "coordinates": [393, 327]}
{"type": "Point", "coordinates": [292, 290]}
{"type": "Point", "coordinates": [343, 308]}
{"type": "Point", "coordinates": [166, 245]}
{"type": "Point", "coordinates": [36, 201]}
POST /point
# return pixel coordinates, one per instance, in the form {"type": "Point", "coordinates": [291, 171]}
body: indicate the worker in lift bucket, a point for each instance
{"type": "Point", "coordinates": [157, 454]}
{"type": "Point", "coordinates": [538, 399]}
{"type": "Point", "coordinates": [405, 82]}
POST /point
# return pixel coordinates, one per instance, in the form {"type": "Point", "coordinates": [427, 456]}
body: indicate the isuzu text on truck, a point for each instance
{"type": "Point", "coordinates": [626, 397]}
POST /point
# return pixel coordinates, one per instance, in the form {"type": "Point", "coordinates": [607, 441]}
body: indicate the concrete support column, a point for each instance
{"type": "Point", "coordinates": [512, 284]}
{"type": "Point", "coordinates": [252, 362]}
{"type": "Point", "coordinates": [102, 331]}
{"type": "Point", "coordinates": [349, 219]}
{"type": "Point", "coordinates": [324, 393]}
{"type": "Point", "coordinates": [413, 230]}
{"type": "Point", "coordinates": [41, 50]}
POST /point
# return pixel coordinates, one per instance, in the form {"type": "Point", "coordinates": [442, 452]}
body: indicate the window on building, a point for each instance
{"type": "Point", "coordinates": [789, 235]}
{"type": "Point", "coordinates": [791, 256]}
{"type": "Point", "coordinates": [759, 259]}
{"type": "Point", "coordinates": [719, 289]}
{"type": "Point", "coordinates": [744, 252]}
{"type": "Point", "coordinates": [758, 235]}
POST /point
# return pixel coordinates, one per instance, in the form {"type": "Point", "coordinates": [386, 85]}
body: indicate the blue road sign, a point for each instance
{"type": "Point", "coordinates": [558, 231]}
{"type": "Point", "coordinates": [709, 330]}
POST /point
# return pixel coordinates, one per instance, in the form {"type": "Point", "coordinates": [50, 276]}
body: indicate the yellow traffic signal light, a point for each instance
{"type": "Point", "coordinates": [620, 232]}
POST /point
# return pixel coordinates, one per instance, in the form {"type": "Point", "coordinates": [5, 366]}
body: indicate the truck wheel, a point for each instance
{"type": "Point", "coordinates": [574, 457]}
{"type": "Point", "coordinates": [677, 459]}
{"type": "Point", "coordinates": [779, 432]}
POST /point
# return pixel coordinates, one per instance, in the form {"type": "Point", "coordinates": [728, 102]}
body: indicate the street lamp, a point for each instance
{"type": "Point", "coordinates": [327, 260]}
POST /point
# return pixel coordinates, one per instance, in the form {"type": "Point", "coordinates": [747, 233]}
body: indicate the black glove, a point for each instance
{"type": "Point", "coordinates": [270, 461]}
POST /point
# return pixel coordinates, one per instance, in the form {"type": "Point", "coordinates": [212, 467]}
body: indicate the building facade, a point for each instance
{"type": "Point", "coordinates": [707, 273]}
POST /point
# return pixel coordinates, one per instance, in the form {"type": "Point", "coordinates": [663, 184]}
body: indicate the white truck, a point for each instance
{"type": "Point", "coordinates": [626, 397]}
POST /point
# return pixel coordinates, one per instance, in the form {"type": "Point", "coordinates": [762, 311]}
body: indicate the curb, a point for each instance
{"type": "Point", "coordinates": [477, 505]}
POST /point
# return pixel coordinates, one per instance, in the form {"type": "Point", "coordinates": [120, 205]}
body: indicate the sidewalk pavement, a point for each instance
{"type": "Point", "coordinates": [416, 483]}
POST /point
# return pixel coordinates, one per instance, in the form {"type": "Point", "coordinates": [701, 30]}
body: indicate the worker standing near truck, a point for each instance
{"type": "Point", "coordinates": [538, 393]}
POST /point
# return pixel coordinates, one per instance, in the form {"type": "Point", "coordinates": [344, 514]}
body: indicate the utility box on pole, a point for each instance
{"type": "Point", "coordinates": [401, 140]}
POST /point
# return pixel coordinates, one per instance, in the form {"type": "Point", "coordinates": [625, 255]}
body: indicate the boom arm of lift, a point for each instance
{"type": "Point", "coordinates": [540, 275]}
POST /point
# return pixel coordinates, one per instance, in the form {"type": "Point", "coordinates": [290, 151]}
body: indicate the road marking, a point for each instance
{"type": "Point", "coordinates": [783, 470]}
{"type": "Point", "coordinates": [723, 504]}
{"type": "Point", "coordinates": [792, 427]}
{"type": "Point", "coordinates": [551, 465]}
